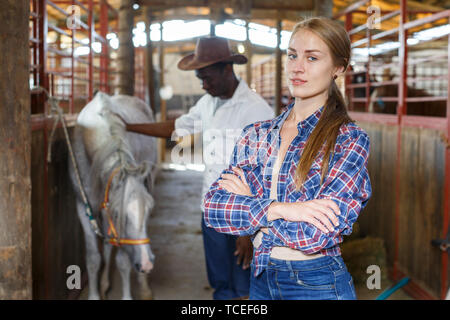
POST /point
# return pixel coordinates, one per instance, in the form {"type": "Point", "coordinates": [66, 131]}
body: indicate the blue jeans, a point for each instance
{"type": "Point", "coordinates": [225, 276]}
{"type": "Point", "coordinates": [324, 278]}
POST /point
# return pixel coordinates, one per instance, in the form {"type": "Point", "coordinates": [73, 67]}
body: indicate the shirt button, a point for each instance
{"type": "Point", "coordinates": [213, 153]}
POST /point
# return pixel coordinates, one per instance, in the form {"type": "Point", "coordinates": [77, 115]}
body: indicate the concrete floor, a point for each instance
{"type": "Point", "coordinates": [175, 232]}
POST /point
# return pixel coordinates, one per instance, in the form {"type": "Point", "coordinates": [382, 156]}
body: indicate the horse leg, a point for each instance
{"type": "Point", "coordinates": [145, 293]}
{"type": "Point", "coordinates": [104, 281]}
{"type": "Point", "coordinates": [124, 266]}
{"type": "Point", "coordinates": [93, 257]}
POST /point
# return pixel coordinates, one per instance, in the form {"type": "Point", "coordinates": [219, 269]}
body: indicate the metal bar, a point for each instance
{"type": "Point", "coordinates": [350, 8]}
{"type": "Point", "coordinates": [35, 40]}
{"type": "Point", "coordinates": [104, 58]}
{"type": "Point", "coordinates": [380, 118]}
{"type": "Point", "coordinates": [35, 36]}
{"type": "Point", "coordinates": [81, 5]}
{"type": "Point", "coordinates": [425, 99]}
{"type": "Point", "coordinates": [385, 99]}
{"type": "Point", "coordinates": [364, 26]}
{"type": "Point", "coordinates": [91, 25]}
{"type": "Point", "coordinates": [432, 58]}
{"type": "Point", "coordinates": [99, 37]}
{"type": "Point", "coordinates": [78, 59]}
{"type": "Point", "coordinates": [52, 4]}
{"type": "Point", "coordinates": [34, 15]}
{"type": "Point", "coordinates": [58, 30]}
{"type": "Point", "coordinates": [369, 44]}
{"type": "Point", "coordinates": [72, 69]}
{"type": "Point", "coordinates": [420, 79]}
{"type": "Point", "coordinates": [375, 37]}
{"type": "Point", "coordinates": [434, 17]}
{"type": "Point", "coordinates": [278, 68]}
{"type": "Point", "coordinates": [58, 52]}
{"type": "Point", "coordinates": [348, 75]}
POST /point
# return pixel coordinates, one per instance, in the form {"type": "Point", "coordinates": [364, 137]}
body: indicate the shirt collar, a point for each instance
{"type": "Point", "coordinates": [240, 89]}
{"type": "Point", "coordinates": [309, 123]}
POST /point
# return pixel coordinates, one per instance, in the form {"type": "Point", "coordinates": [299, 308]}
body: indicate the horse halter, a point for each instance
{"type": "Point", "coordinates": [115, 240]}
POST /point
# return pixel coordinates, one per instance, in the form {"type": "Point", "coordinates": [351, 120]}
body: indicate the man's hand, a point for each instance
{"type": "Point", "coordinates": [120, 117]}
{"type": "Point", "coordinates": [244, 251]}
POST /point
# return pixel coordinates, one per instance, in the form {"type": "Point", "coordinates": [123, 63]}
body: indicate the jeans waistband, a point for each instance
{"type": "Point", "coordinates": [291, 265]}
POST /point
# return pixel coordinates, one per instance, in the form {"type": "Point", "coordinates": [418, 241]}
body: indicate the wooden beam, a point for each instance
{"type": "Point", "coordinates": [249, 53]}
{"type": "Point", "coordinates": [255, 14]}
{"type": "Point", "coordinates": [162, 106]}
{"type": "Point", "coordinates": [255, 4]}
{"type": "Point", "coordinates": [15, 158]}
{"type": "Point", "coordinates": [125, 53]}
{"type": "Point", "coordinates": [149, 70]}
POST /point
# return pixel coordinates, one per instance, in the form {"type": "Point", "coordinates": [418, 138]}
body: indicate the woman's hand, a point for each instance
{"type": "Point", "coordinates": [235, 183]}
{"type": "Point", "coordinates": [322, 213]}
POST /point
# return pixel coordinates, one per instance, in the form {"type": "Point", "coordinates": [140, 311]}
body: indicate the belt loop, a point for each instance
{"type": "Point", "coordinates": [338, 261]}
{"type": "Point", "coordinates": [291, 270]}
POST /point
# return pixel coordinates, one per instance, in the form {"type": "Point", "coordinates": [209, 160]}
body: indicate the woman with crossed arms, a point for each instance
{"type": "Point", "coordinates": [298, 182]}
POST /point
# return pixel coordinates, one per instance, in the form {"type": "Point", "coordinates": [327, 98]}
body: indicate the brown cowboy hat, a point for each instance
{"type": "Point", "coordinates": [208, 51]}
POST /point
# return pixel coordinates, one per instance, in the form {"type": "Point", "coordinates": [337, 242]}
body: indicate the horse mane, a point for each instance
{"type": "Point", "coordinates": [117, 153]}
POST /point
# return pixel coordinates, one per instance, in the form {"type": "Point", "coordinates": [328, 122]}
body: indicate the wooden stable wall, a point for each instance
{"type": "Point", "coordinates": [15, 209]}
{"type": "Point", "coordinates": [57, 235]}
{"type": "Point", "coordinates": [421, 200]}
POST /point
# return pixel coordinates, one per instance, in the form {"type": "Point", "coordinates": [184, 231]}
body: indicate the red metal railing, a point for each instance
{"type": "Point", "coordinates": [401, 117]}
{"type": "Point", "coordinates": [69, 76]}
{"type": "Point", "coordinates": [64, 74]}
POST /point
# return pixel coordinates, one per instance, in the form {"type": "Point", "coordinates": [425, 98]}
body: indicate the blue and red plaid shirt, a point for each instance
{"type": "Point", "coordinates": [347, 182]}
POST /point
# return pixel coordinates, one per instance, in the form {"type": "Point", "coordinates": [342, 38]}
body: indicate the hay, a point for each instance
{"type": "Point", "coordinates": [358, 254]}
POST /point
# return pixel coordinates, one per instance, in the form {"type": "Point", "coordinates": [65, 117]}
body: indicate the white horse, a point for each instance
{"type": "Point", "coordinates": [116, 169]}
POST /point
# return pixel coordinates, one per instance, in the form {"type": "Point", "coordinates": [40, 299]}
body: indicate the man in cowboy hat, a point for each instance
{"type": "Point", "coordinates": [227, 107]}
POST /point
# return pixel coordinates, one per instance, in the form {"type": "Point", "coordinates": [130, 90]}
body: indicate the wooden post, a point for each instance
{"type": "Point", "coordinates": [446, 206]}
{"type": "Point", "coordinates": [214, 14]}
{"type": "Point", "coordinates": [15, 158]}
{"type": "Point", "coordinates": [278, 71]}
{"type": "Point", "coordinates": [162, 101]}
{"type": "Point", "coordinates": [401, 111]}
{"type": "Point", "coordinates": [149, 71]}
{"type": "Point", "coordinates": [125, 56]}
{"type": "Point", "coordinates": [248, 49]}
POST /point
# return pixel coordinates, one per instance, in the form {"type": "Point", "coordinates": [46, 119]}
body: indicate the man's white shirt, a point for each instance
{"type": "Point", "coordinates": [221, 123]}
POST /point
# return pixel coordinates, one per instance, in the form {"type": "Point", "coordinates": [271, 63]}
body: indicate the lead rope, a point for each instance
{"type": "Point", "coordinates": [55, 109]}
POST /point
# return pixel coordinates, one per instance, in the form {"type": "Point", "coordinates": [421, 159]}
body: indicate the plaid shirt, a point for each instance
{"type": "Point", "coordinates": [346, 182]}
